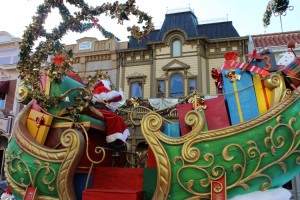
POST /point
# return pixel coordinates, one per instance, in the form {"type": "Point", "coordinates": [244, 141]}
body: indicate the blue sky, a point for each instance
{"type": "Point", "coordinates": [246, 16]}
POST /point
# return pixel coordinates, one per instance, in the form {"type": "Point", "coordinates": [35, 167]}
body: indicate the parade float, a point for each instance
{"type": "Point", "coordinates": [58, 147]}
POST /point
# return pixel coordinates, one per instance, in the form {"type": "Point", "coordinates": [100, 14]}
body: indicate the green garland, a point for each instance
{"type": "Point", "coordinates": [29, 65]}
{"type": "Point", "coordinates": [278, 7]}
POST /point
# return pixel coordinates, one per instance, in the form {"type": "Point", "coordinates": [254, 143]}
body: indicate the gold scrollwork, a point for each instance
{"type": "Point", "coordinates": [22, 93]}
{"type": "Point", "coordinates": [277, 144]}
{"type": "Point", "coordinates": [18, 168]}
{"type": "Point", "coordinates": [261, 160]}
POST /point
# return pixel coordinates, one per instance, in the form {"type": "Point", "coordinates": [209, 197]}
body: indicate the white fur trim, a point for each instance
{"type": "Point", "coordinates": [271, 194]}
{"type": "Point", "coordinates": [121, 136]}
{"type": "Point", "coordinates": [106, 84]}
{"type": "Point", "coordinates": [106, 96]}
{"type": "Point", "coordinates": [6, 196]}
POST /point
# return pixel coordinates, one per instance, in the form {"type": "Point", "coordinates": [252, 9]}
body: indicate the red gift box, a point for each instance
{"type": "Point", "coordinates": [182, 110]}
{"type": "Point", "coordinates": [216, 114]}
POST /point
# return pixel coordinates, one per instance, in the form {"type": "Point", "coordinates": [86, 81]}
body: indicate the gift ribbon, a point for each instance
{"type": "Point", "coordinates": [264, 92]}
{"type": "Point", "coordinates": [242, 65]}
{"type": "Point", "coordinates": [39, 121]}
{"type": "Point", "coordinates": [238, 102]}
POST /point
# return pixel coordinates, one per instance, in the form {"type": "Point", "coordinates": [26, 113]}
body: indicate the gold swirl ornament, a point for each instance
{"type": "Point", "coordinates": [276, 83]}
{"type": "Point", "coordinates": [22, 94]}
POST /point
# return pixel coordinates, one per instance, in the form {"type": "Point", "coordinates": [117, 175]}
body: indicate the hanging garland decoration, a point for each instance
{"type": "Point", "coordinates": [278, 7]}
{"type": "Point", "coordinates": [105, 33]}
{"type": "Point", "coordinates": [29, 65]}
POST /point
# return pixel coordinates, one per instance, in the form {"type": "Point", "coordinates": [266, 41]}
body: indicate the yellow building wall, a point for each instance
{"type": "Point", "coordinates": [138, 70]}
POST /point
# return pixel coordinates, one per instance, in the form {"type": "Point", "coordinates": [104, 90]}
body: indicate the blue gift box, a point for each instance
{"type": "Point", "coordinates": [171, 129]}
{"type": "Point", "coordinates": [268, 62]}
{"type": "Point", "coordinates": [239, 95]}
{"type": "Point", "coordinates": [79, 181]}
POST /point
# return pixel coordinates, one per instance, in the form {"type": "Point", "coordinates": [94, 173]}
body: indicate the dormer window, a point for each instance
{"type": "Point", "coordinates": [176, 48]}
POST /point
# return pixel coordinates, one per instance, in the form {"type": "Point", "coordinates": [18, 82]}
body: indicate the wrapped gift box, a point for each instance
{"type": "Point", "coordinates": [263, 94]}
{"type": "Point", "coordinates": [38, 125]}
{"type": "Point", "coordinates": [268, 62]}
{"type": "Point", "coordinates": [292, 72]}
{"type": "Point", "coordinates": [216, 114]}
{"type": "Point", "coordinates": [239, 95]}
{"type": "Point", "coordinates": [182, 110]}
{"type": "Point", "coordinates": [286, 59]}
{"type": "Point", "coordinates": [171, 129]}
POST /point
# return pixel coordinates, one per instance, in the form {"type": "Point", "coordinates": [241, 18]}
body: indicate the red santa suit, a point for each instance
{"type": "Point", "coordinates": [116, 129]}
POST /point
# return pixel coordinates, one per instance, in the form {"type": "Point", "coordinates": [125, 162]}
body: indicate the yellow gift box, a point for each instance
{"type": "Point", "coordinates": [263, 94]}
{"type": "Point", "coordinates": [38, 125]}
{"type": "Point", "coordinates": [268, 92]}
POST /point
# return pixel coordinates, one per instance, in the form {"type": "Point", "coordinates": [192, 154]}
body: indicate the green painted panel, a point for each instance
{"type": "Point", "coordinates": [28, 170]}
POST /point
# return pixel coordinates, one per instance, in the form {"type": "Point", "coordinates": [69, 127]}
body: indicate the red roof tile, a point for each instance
{"type": "Point", "coordinates": [275, 39]}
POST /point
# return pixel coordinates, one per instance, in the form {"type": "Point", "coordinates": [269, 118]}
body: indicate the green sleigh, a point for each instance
{"type": "Point", "coordinates": [258, 154]}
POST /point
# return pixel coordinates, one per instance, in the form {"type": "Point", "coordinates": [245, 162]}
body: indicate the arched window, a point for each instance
{"type": "Point", "coordinates": [176, 86]}
{"type": "Point", "coordinates": [136, 89]}
{"type": "Point", "coordinates": [176, 48]}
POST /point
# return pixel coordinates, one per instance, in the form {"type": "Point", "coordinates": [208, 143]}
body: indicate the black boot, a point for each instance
{"type": "Point", "coordinates": [117, 145]}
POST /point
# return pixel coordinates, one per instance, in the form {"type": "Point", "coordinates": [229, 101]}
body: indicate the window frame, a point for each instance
{"type": "Point", "coordinates": [170, 83]}
{"type": "Point", "coordinates": [188, 83]}
{"type": "Point", "coordinates": [5, 97]}
{"type": "Point", "coordinates": [130, 87]}
{"type": "Point", "coordinates": [158, 80]}
{"type": "Point", "coordinates": [173, 48]}
{"type": "Point", "coordinates": [136, 77]}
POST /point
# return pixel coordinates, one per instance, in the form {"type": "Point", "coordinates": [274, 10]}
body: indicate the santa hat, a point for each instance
{"type": "Point", "coordinates": [7, 195]}
{"type": "Point", "coordinates": [102, 92]}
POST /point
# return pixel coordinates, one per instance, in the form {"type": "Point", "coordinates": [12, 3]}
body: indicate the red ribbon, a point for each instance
{"type": "Point", "coordinates": [59, 59]}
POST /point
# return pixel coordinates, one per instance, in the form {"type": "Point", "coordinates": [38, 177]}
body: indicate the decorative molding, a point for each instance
{"type": "Point", "coordinates": [136, 76]}
{"type": "Point", "coordinates": [180, 66]}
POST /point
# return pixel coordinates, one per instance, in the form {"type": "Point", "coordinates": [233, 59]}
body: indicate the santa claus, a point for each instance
{"type": "Point", "coordinates": [7, 195]}
{"type": "Point", "coordinates": [106, 101]}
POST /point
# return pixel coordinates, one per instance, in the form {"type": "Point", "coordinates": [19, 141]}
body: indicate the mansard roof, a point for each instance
{"type": "Point", "coordinates": [186, 22]}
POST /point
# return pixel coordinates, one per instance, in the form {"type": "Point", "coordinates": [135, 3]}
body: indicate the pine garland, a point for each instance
{"type": "Point", "coordinates": [29, 65]}
{"type": "Point", "coordinates": [278, 7]}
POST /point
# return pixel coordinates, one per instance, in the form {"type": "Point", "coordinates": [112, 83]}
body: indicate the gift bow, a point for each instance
{"type": "Point", "coordinates": [59, 59]}
{"type": "Point", "coordinates": [233, 76]}
{"type": "Point", "coordinates": [248, 66]}
{"type": "Point", "coordinates": [217, 76]}
{"type": "Point", "coordinates": [39, 121]}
